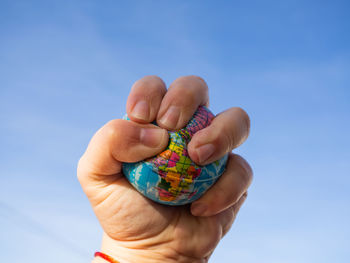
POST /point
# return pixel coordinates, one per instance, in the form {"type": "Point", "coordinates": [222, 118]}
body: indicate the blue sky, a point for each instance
{"type": "Point", "coordinates": [66, 68]}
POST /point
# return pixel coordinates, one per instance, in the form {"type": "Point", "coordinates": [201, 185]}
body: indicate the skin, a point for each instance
{"type": "Point", "coordinates": [137, 229]}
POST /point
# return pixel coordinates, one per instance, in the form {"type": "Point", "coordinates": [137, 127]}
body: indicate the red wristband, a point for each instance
{"type": "Point", "coordinates": [106, 257]}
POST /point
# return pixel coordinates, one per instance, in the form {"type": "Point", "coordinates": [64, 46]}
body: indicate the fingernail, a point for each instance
{"type": "Point", "coordinates": [152, 137]}
{"type": "Point", "coordinates": [141, 110]}
{"type": "Point", "coordinates": [198, 209]}
{"type": "Point", "coordinates": [205, 151]}
{"type": "Point", "coordinates": [171, 117]}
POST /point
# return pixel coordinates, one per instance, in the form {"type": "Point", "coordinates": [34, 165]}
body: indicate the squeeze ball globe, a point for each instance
{"type": "Point", "coordinates": [171, 177]}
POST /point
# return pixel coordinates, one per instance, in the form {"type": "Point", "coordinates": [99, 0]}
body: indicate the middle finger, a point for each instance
{"type": "Point", "coordinates": [180, 102]}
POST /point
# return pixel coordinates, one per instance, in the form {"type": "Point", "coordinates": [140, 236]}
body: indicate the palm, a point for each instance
{"type": "Point", "coordinates": [126, 215]}
{"type": "Point", "coordinates": [136, 226]}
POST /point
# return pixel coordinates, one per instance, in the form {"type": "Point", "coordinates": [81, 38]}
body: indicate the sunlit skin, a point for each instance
{"type": "Point", "coordinates": [137, 229]}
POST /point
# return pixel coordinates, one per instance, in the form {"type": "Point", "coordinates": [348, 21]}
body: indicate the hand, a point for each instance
{"type": "Point", "coordinates": [137, 229]}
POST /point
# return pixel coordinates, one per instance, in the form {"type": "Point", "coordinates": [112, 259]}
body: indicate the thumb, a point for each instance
{"type": "Point", "coordinates": [134, 142]}
{"type": "Point", "coordinates": [120, 141]}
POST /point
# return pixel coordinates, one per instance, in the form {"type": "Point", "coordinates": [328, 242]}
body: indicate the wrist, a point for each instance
{"type": "Point", "coordinates": [124, 253]}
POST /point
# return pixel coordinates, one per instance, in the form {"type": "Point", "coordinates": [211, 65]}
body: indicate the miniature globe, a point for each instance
{"type": "Point", "coordinates": [171, 177]}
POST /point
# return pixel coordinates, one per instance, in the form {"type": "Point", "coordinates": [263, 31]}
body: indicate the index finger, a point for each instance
{"type": "Point", "coordinates": [144, 99]}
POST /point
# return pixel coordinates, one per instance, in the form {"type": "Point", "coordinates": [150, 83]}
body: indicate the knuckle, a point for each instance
{"type": "Point", "coordinates": [149, 88]}
{"type": "Point", "coordinates": [79, 170]}
{"type": "Point", "coordinates": [194, 78]}
{"type": "Point", "coordinates": [193, 83]}
{"type": "Point", "coordinates": [82, 171]}
{"type": "Point", "coordinates": [149, 82]}
{"type": "Point", "coordinates": [112, 129]}
{"type": "Point", "coordinates": [121, 133]}
{"type": "Point", "coordinates": [229, 215]}
{"type": "Point", "coordinates": [153, 78]}
{"type": "Point", "coordinates": [185, 91]}
{"type": "Point", "coordinates": [224, 137]}
{"type": "Point", "coordinates": [226, 197]}
{"type": "Point", "coordinates": [198, 78]}
{"type": "Point", "coordinates": [244, 116]}
{"type": "Point", "coordinates": [229, 139]}
{"type": "Point", "coordinates": [246, 171]}
{"type": "Point", "coordinates": [235, 127]}
{"type": "Point", "coordinates": [224, 143]}
{"type": "Point", "coordinates": [223, 195]}
{"type": "Point", "coordinates": [188, 92]}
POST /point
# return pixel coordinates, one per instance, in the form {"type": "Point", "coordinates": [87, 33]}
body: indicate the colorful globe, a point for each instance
{"type": "Point", "coordinates": [171, 177]}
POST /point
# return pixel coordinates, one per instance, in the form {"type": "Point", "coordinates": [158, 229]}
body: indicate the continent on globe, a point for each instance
{"type": "Point", "coordinates": [171, 177]}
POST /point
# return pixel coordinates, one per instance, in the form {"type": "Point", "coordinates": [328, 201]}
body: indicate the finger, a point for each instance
{"type": "Point", "coordinates": [120, 141]}
{"type": "Point", "coordinates": [227, 131]}
{"type": "Point", "coordinates": [144, 99]}
{"type": "Point", "coordinates": [237, 206]}
{"type": "Point", "coordinates": [184, 96]}
{"type": "Point", "coordinates": [227, 190]}
{"type": "Point", "coordinates": [230, 214]}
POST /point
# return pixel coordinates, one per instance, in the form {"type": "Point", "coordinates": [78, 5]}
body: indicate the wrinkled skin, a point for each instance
{"type": "Point", "coordinates": [137, 228]}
